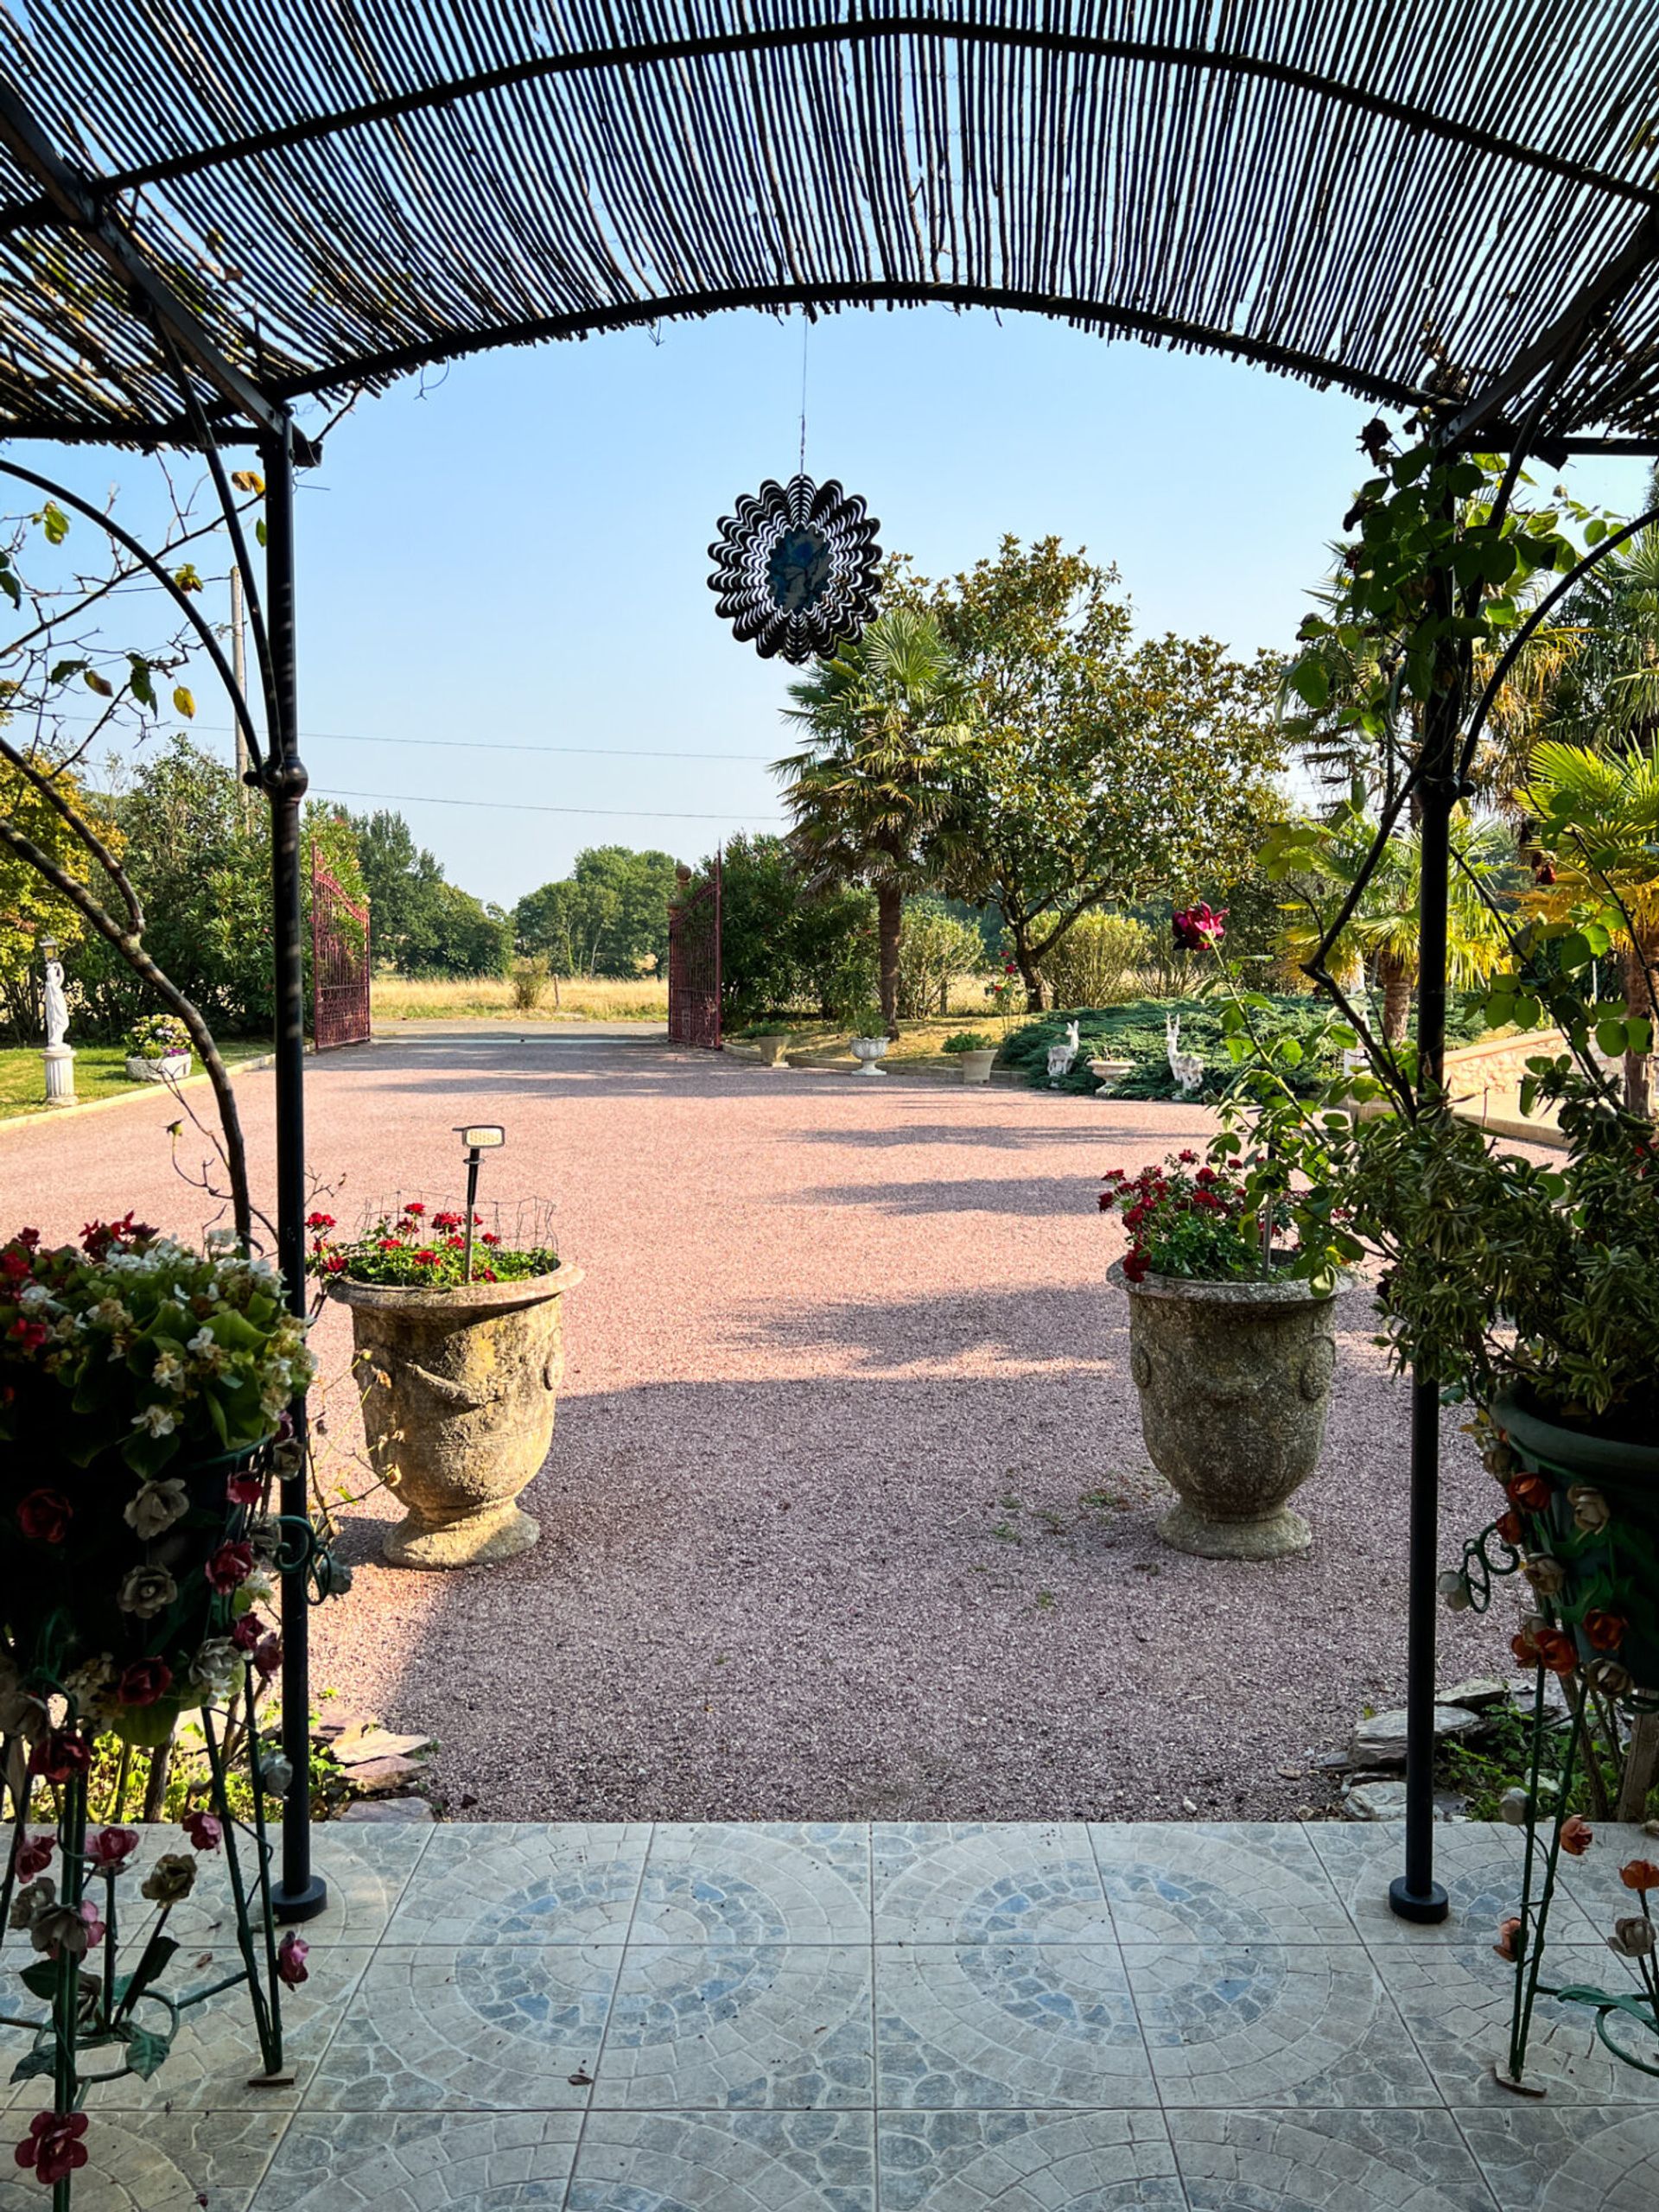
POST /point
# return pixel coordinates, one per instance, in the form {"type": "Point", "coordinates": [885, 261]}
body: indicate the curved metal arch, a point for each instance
{"type": "Point", "coordinates": [919, 24]}
{"type": "Point", "coordinates": [633, 313]}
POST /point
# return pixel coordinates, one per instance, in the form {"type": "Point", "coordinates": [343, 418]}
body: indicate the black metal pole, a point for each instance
{"type": "Point", "coordinates": [300, 1894]}
{"type": "Point", "coordinates": [1415, 1895]}
{"type": "Point", "coordinates": [471, 1200]}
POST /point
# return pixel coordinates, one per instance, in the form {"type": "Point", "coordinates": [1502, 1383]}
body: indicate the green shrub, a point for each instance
{"type": "Point", "coordinates": [934, 949]}
{"type": "Point", "coordinates": [1100, 961]}
{"type": "Point", "coordinates": [969, 1040]}
{"type": "Point", "coordinates": [529, 981]}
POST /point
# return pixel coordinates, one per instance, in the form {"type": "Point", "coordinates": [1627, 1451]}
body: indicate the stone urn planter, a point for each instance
{"type": "Point", "coordinates": [868, 1050]}
{"type": "Point", "coordinates": [976, 1066]}
{"type": "Point", "coordinates": [171, 1067]}
{"type": "Point", "coordinates": [461, 1390]}
{"type": "Point", "coordinates": [772, 1049]}
{"type": "Point", "coordinates": [1109, 1074]}
{"type": "Point", "coordinates": [1234, 1380]}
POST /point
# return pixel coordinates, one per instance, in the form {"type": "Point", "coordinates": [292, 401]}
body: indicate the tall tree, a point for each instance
{"type": "Point", "coordinates": [867, 798]}
{"type": "Point", "coordinates": [1594, 834]}
{"type": "Point", "coordinates": [1097, 770]}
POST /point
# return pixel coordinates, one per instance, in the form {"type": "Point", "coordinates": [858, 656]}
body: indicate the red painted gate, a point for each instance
{"type": "Point", "coordinates": [694, 963]}
{"type": "Point", "coordinates": [340, 963]}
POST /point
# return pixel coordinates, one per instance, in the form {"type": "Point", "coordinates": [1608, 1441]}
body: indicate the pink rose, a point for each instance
{"type": "Point", "coordinates": [203, 1830]}
{"type": "Point", "coordinates": [291, 1955]}
{"type": "Point", "coordinates": [111, 1847]}
{"type": "Point", "coordinates": [33, 1856]}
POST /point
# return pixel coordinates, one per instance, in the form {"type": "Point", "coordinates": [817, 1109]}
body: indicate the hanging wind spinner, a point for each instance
{"type": "Point", "coordinates": [796, 569]}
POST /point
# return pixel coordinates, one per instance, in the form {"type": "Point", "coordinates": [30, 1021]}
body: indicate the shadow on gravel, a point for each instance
{"type": "Point", "coordinates": [1033, 1197]}
{"type": "Point", "coordinates": [1084, 1326]}
{"type": "Point", "coordinates": [1004, 1136]}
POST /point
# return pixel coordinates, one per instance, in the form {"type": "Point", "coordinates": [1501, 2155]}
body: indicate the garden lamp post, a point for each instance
{"type": "Point", "coordinates": [477, 1138]}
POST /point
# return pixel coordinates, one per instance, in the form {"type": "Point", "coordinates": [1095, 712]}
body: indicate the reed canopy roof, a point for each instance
{"type": "Point", "coordinates": [1417, 201]}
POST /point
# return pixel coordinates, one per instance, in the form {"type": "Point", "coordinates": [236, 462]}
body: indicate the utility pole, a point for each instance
{"type": "Point", "coordinates": [239, 669]}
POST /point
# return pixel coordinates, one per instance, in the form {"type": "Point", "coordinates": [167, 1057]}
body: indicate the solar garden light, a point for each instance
{"type": "Point", "coordinates": [478, 1138]}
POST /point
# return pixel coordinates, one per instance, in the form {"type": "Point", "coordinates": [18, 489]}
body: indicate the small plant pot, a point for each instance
{"type": "Point", "coordinates": [172, 1067]}
{"type": "Point", "coordinates": [771, 1051]}
{"type": "Point", "coordinates": [1612, 1569]}
{"type": "Point", "coordinates": [1234, 1380]}
{"type": "Point", "coordinates": [868, 1050]}
{"type": "Point", "coordinates": [460, 1390]}
{"type": "Point", "coordinates": [976, 1066]}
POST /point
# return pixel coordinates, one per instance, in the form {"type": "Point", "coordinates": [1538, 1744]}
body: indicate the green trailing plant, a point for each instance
{"type": "Point", "coordinates": [969, 1040]}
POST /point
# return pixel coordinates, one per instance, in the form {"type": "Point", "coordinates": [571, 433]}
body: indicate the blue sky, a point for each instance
{"type": "Point", "coordinates": [516, 555]}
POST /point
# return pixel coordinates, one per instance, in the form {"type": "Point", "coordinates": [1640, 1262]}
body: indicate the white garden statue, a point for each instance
{"type": "Point", "coordinates": [1187, 1068]}
{"type": "Point", "coordinates": [1063, 1057]}
{"type": "Point", "coordinates": [60, 1057]}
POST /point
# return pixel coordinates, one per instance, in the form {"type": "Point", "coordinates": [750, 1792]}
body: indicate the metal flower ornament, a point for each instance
{"type": "Point", "coordinates": [796, 569]}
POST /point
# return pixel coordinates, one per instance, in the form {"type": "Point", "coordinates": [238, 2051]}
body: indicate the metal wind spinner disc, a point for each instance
{"type": "Point", "coordinates": [796, 569]}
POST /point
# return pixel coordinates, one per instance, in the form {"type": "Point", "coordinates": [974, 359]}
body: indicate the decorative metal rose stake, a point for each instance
{"type": "Point", "coordinates": [797, 569]}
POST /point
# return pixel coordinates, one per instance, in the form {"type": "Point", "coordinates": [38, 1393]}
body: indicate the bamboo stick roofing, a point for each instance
{"type": "Point", "coordinates": [1414, 200]}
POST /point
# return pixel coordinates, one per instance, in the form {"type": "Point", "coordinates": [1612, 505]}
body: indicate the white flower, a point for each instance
{"type": "Point", "coordinates": [33, 1296]}
{"type": "Point", "coordinates": [168, 1370]}
{"type": "Point", "coordinates": [157, 1419]}
{"type": "Point", "coordinates": [154, 1508]}
{"type": "Point", "coordinates": [206, 1347]}
{"type": "Point", "coordinates": [217, 1239]}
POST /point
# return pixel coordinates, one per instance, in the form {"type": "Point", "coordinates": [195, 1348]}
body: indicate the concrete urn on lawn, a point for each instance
{"type": "Point", "coordinates": [868, 1050]}
{"type": "Point", "coordinates": [976, 1066]}
{"type": "Point", "coordinates": [461, 1389]}
{"type": "Point", "coordinates": [1234, 1380]}
{"type": "Point", "coordinates": [771, 1047]}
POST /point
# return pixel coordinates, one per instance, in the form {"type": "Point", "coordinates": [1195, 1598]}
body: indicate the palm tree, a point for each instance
{"type": "Point", "coordinates": [1607, 696]}
{"type": "Point", "coordinates": [1596, 838]}
{"type": "Point", "coordinates": [866, 801]}
{"type": "Point", "coordinates": [1383, 934]}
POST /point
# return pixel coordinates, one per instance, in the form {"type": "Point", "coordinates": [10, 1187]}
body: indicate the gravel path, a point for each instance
{"type": "Point", "coordinates": [847, 1513]}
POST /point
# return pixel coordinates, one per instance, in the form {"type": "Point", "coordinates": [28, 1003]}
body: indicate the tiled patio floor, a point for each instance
{"type": "Point", "coordinates": [918, 2019]}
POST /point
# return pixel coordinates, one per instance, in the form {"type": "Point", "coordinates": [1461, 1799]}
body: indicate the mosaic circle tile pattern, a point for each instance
{"type": "Point", "coordinates": [724, 2026]}
{"type": "Point", "coordinates": [775, 1883]}
{"type": "Point", "coordinates": [984, 1884]}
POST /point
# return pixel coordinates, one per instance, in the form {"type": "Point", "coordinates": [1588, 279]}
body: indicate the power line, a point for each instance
{"type": "Point", "coordinates": [497, 745]}
{"type": "Point", "coordinates": [515, 806]}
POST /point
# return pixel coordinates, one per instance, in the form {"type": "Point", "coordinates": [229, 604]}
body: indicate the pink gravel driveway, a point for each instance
{"type": "Point", "coordinates": [846, 1512]}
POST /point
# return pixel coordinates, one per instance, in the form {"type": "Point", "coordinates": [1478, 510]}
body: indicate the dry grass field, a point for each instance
{"type": "Point", "coordinates": [400, 997]}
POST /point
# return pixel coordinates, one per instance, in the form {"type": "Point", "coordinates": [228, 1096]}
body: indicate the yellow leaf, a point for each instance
{"type": "Point", "coordinates": [183, 701]}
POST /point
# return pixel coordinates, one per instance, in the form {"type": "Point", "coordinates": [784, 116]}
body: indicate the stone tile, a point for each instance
{"type": "Point", "coordinates": [970, 1882]}
{"type": "Point", "coordinates": [725, 2162]}
{"type": "Point", "coordinates": [1458, 2008]}
{"type": "Point", "coordinates": [1592, 1881]}
{"type": "Point", "coordinates": [1397, 2160]}
{"type": "Point", "coordinates": [158, 2163]}
{"type": "Point", "coordinates": [366, 1870]}
{"type": "Point", "coordinates": [216, 2049]}
{"type": "Point", "coordinates": [497, 2026]}
{"type": "Point", "coordinates": [1235, 1882]}
{"type": "Point", "coordinates": [1026, 2162]}
{"type": "Point", "coordinates": [489, 1882]}
{"type": "Point", "coordinates": [1272, 2023]}
{"type": "Point", "coordinates": [1544, 2159]}
{"type": "Point", "coordinates": [422, 2162]}
{"type": "Point", "coordinates": [715, 1882]}
{"type": "Point", "coordinates": [1478, 1865]}
{"type": "Point", "coordinates": [1022, 2024]}
{"type": "Point", "coordinates": [728, 2024]}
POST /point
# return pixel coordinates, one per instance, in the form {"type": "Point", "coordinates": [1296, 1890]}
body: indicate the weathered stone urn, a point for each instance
{"type": "Point", "coordinates": [461, 1389]}
{"type": "Point", "coordinates": [1234, 1380]}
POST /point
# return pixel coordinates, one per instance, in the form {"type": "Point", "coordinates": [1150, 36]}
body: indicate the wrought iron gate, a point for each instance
{"type": "Point", "coordinates": [340, 963]}
{"type": "Point", "coordinates": [694, 963]}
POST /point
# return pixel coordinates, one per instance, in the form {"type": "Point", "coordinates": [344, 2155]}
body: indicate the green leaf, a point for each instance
{"type": "Point", "coordinates": [34, 2062]}
{"type": "Point", "coordinates": [1612, 1038]}
{"type": "Point", "coordinates": [64, 670]}
{"type": "Point", "coordinates": [146, 2050]}
{"type": "Point", "coordinates": [40, 1978]}
{"type": "Point", "coordinates": [1311, 681]}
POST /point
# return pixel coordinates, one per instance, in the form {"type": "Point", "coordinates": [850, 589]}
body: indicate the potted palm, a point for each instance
{"type": "Point", "coordinates": [158, 1049]}
{"type": "Point", "coordinates": [462, 1374]}
{"type": "Point", "coordinates": [974, 1053]}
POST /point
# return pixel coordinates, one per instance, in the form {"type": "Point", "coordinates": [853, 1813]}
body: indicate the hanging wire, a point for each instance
{"type": "Point", "coordinates": [806, 332]}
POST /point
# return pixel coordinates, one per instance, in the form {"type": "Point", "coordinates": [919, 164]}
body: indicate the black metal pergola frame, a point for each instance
{"type": "Point", "coordinates": [208, 218]}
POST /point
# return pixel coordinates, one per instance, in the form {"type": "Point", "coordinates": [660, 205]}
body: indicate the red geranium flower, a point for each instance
{"type": "Point", "coordinates": [44, 1517]}
{"type": "Point", "coordinates": [335, 1264]}
{"type": "Point", "coordinates": [145, 1683]}
{"type": "Point", "coordinates": [52, 2145]}
{"type": "Point", "coordinates": [230, 1568]}
{"type": "Point", "coordinates": [318, 1221]}
{"type": "Point", "coordinates": [15, 1262]}
{"type": "Point", "coordinates": [291, 1955]}
{"type": "Point", "coordinates": [414, 1208]}
{"type": "Point", "coordinates": [390, 1244]}
{"type": "Point", "coordinates": [30, 1334]}
{"type": "Point", "coordinates": [204, 1831]}
{"type": "Point", "coordinates": [426, 1257]}
{"type": "Point", "coordinates": [111, 1847]}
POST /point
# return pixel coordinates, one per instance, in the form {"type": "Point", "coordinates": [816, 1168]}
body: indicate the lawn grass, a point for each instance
{"type": "Point", "coordinates": [404, 998]}
{"type": "Point", "coordinates": [100, 1072]}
